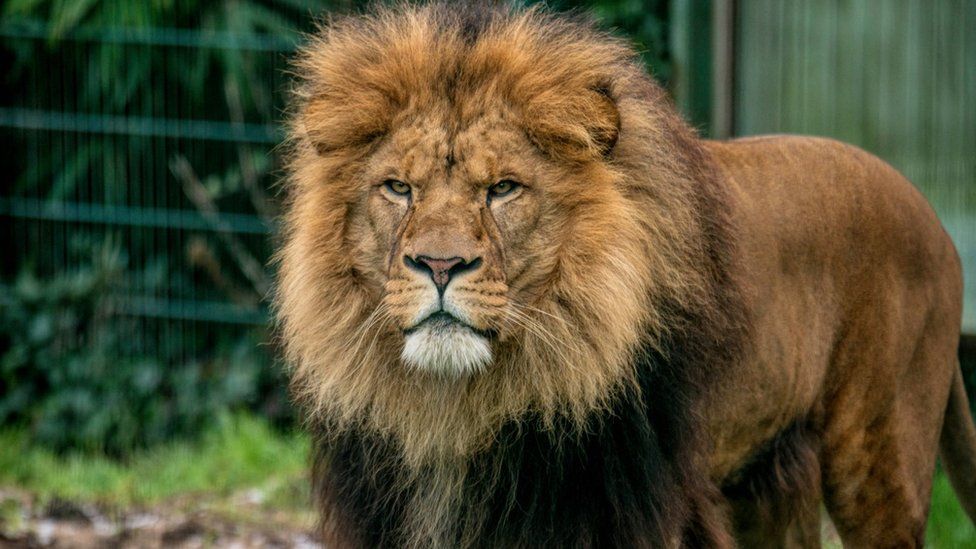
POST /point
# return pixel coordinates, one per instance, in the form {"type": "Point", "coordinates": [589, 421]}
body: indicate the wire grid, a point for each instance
{"type": "Point", "coordinates": [76, 175]}
{"type": "Point", "coordinates": [896, 78]}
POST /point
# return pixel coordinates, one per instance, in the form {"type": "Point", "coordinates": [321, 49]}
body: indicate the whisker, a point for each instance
{"type": "Point", "coordinates": [554, 343]}
{"type": "Point", "coordinates": [544, 335]}
{"type": "Point", "coordinates": [378, 313]}
{"type": "Point", "coordinates": [528, 307]}
{"type": "Point", "coordinates": [372, 343]}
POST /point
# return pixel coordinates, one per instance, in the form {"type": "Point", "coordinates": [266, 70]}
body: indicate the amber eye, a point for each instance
{"type": "Point", "coordinates": [397, 187]}
{"type": "Point", "coordinates": [504, 187]}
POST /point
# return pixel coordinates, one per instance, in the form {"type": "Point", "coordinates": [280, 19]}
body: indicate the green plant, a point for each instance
{"type": "Point", "coordinates": [644, 22]}
{"type": "Point", "coordinates": [234, 452]}
{"type": "Point", "coordinates": [72, 369]}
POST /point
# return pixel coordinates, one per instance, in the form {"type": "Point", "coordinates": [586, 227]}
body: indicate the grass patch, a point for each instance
{"type": "Point", "coordinates": [240, 452]}
{"type": "Point", "coordinates": [948, 525]}
{"type": "Point", "coordinates": [243, 453]}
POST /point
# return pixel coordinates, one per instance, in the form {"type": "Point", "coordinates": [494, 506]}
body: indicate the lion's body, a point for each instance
{"type": "Point", "coordinates": [854, 296]}
{"type": "Point", "coordinates": [641, 339]}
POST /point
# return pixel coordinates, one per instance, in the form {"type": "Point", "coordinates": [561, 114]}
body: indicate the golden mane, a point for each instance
{"type": "Point", "coordinates": [635, 254]}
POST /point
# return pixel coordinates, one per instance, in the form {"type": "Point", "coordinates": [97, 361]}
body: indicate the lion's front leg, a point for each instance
{"type": "Point", "coordinates": [775, 499]}
{"type": "Point", "coordinates": [801, 530]}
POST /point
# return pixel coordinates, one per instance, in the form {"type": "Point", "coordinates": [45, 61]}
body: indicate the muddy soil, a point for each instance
{"type": "Point", "coordinates": [238, 523]}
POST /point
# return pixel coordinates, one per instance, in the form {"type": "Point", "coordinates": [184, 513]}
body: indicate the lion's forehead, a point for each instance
{"type": "Point", "coordinates": [432, 145]}
{"type": "Point", "coordinates": [418, 150]}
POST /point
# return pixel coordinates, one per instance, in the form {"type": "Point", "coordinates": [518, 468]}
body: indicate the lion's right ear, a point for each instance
{"type": "Point", "coordinates": [332, 125]}
{"type": "Point", "coordinates": [605, 125]}
{"type": "Point", "coordinates": [575, 126]}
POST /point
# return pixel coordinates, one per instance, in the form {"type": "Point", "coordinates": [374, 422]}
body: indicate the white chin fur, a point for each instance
{"type": "Point", "coordinates": [455, 350]}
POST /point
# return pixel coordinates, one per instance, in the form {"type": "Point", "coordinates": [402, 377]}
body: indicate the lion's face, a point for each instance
{"type": "Point", "coordinates": [456, 230]}
{"type": "Point", "coordinates": [481, 222]}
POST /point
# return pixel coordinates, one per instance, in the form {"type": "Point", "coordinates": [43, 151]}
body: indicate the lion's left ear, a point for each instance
{"type": "Point", "coordinates": [580, 126]}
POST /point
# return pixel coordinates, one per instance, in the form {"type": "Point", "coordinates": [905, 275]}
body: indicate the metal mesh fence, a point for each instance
{"type": "Point", "coordinates": [151, 149]}
{"type": "Point", "coordinates": [897, 78]}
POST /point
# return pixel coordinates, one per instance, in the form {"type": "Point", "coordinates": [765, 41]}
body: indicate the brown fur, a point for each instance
{"type": "Point", "coordinates": [855, 293]}
{"type": "Point", "coordinates": [823, 287]}
{"type": "Point", "coordinates": [593, 298]}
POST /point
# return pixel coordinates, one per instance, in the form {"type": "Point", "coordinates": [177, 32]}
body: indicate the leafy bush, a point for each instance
{"type": "Point", "coordinates": [644, 22]}
{"type": "Point", "coordinates": [73, 373]}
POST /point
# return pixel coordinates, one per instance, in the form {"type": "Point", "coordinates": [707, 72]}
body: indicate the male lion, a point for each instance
{"type": "Point", "coordinates": [527, 306]}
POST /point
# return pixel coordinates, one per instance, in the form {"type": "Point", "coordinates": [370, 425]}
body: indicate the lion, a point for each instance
{"type": "Point", "coordinates": [524, 304]}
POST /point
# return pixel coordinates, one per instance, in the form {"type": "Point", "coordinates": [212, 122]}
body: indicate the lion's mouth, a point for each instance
{"type": "Point", "coordinates": [444, 344]}
{"type": "Point", "coordinates": [445, 322]}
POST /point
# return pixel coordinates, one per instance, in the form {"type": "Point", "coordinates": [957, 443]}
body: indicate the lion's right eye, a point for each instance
{"type": "Point", "coordinates": [502, 189]}
{"type": "Point", "coordinates": [398, 188]}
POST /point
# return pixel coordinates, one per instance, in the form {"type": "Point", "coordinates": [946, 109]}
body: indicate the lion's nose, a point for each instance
{"type": "Point", "coordinates": [441, 270]}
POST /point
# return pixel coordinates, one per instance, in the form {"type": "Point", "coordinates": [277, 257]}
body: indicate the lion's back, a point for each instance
{"type": "Point", "coordinates": [830, 204]}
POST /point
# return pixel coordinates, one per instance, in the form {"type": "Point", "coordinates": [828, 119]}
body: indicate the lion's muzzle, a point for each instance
{"type": "Point", "coordinates": [441, 270]}
{"type": "Point", "coordinates": [439, 303]}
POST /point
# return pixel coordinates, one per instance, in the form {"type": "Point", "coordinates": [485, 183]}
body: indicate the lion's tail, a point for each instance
{"type": "Point", "coordinates": [958, 446]}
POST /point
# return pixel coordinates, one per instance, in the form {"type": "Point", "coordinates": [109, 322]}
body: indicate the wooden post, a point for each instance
{"type": "Point", "coordinates": [691, 53]}
{"type": "Point", "coordinates": [723, 69]}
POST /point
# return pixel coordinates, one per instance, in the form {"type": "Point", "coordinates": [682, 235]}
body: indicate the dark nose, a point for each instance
{"type": "Point", "coordinates": [441, 270]}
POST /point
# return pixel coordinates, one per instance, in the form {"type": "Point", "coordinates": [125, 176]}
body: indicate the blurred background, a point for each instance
{"type": "Point", "coordinates": [141, 400]}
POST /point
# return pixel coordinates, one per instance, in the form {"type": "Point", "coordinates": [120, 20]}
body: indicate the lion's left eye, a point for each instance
{"type": "Point", "coordinates": [398, 188]}
{"type": "Point", "coordinates": [504, 187]}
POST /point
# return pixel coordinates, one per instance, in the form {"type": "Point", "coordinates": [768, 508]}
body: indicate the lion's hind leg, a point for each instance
{"type": "Point", "coordinates": [775, 498]}
{"type": "Point", "coordinates": [867, 490]}
{"type": "Point", "coordinates": [880, 438]}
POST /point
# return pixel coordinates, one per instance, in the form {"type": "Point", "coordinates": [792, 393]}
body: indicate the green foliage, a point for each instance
{"type": "Point", "coordinates": [644, 22]}
{"type": "Point", "coordinates": [235, 452]}
{"type": "Point", "coordinates": [71, 369]}
{"type": "Point", "coordinates": [75, 370]}
{"type": "Point", "coordinates": [948, 524]}
{"type": "Point", "coordinates": [169, 76]}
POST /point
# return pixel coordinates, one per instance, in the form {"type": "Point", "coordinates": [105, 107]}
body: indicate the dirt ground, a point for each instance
{"type": "Point", "coordinates": [241, 523]}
